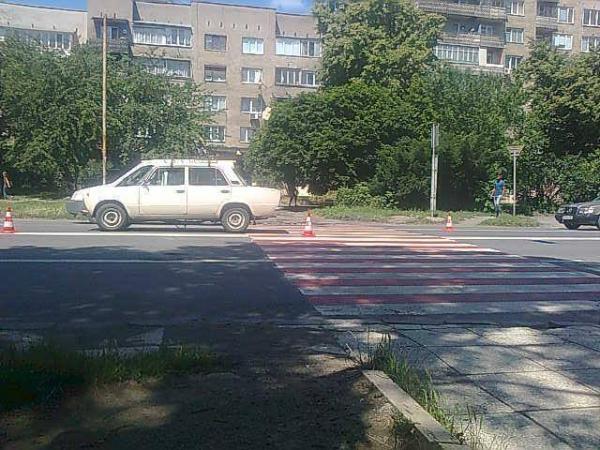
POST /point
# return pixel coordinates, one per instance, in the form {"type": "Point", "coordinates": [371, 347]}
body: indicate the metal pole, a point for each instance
{"type": "Point", "coordinates": [104, 82]}
{"type": "Point", "coordinates": [432, 200]}
{"type": "Point", "coordinates": [514, 183]}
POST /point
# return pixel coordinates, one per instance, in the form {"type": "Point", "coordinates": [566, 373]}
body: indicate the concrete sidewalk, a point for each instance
{"type": "Point", "coordinates": [533, 389]}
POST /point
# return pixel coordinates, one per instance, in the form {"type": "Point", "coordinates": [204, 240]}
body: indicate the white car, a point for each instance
{"type": "Point", "coordinates": [176, 191]}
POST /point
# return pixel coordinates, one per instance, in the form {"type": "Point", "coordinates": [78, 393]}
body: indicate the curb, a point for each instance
{"type": "Point", "coordinates": [427, 427]}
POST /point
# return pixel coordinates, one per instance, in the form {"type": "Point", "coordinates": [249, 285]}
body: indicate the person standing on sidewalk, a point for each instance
{"type": "Point", "coordinates": [6, 185]}
{"type": "Point", "coordinates": [498, 192]}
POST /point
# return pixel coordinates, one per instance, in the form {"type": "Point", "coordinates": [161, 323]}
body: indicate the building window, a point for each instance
{"type": "Point", "coordinates": [214, 133]}
{"type": "Point", "coordinates": [566, 15]}
{"type": "Point", "coordinates": [516, 8]}
{"type": "Point", "coordinates": [493, 57]}
{"type": "Point", "coordinates": [546, 10]}
{"type": "Point", "coordinates": [246, 134]}
{"type": "Point", "coordinates": [298, 47]}
{"type": "Point", "coordinates": [515, 35]}
{"type": "Point", "coordinates": [457, 53]}
{"type": "Point", "coordinates": [252, 105]}
{"type": "Point", "coordinates": [591, 17]}
{"type": "Point", "coordinates": [168, 36]}
{"type": "Point", "coordinates": [589, 42]}
{"type": "Point", "coordinates": [512, 62]}
{"type": "Point", "coordinates": [253, 46]}
{"type": "Point", "coordinates": [215, 43]}
{"type": "Point", "coordinates": [48, 39]}
{"type": "Point", "coordinates": [253, 76]}
{"type": "Point", "coordinates": [169, 67]}
{"type": "Point", "coordinates": [295, 77]}
{"type": "Point", "coordinates": [216, 74]}
{"type": "Point", "coordinates": [215, 102]}
{"type": "Point", "coordinates": [487, 30]}
{"type": "Point", "coordinates": [562, 41]}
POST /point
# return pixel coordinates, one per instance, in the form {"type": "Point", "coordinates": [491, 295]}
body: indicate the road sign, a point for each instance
{"type": "Point", "coordinates": [515, 150]}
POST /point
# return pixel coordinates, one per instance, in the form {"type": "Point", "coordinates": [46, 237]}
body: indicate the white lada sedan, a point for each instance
{"type": "Point", "coordinates": [176, 191]}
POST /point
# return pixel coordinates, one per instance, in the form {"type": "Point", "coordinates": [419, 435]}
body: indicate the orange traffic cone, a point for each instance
{"type": "Point", "coordinates": [9, 226]}
{"type": "Point", "coordinates": [308, 228]}
{"type": "Point", "coordinates": [449, 226]}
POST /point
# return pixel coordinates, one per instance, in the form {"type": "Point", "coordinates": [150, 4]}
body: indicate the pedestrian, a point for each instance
{"type": "Point", "coordinates": [6, 185]}
{"type": "Point", "coordinates": [498, 192]}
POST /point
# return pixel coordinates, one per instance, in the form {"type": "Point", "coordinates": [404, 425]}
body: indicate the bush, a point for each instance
{"type": "Point", "coordinates": [359, 195]}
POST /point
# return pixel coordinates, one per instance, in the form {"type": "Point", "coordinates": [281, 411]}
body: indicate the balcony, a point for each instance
{"type": "Point", "coordinates": [548, 22]}
{"type": "Point", "coordinates": [463, 9]}
{"type": "Point", "coordinates": [119, 46]}
{"type": "Point", "coordinates": [473, 39]}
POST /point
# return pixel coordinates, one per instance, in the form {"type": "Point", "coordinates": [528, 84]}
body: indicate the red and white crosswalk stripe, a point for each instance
{"type": "Point", "coordinates": [371, 270]}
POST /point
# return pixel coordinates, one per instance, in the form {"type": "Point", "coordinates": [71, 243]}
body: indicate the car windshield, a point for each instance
{"type": "Point", "coordinates": [136, 177]}
{"type": "Point", "coordinates": [241, 179]}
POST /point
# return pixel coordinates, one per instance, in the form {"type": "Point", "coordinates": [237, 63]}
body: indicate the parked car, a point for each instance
{"type": "Point", "coordinates": [574, 215]}
{"type": "Point", "coordinates": [176, 191]}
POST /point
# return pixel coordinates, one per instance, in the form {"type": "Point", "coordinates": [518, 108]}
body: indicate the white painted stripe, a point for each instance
{"type": "Point", "coordinates": [282, 248]}
{"type": "Point", "coordinates": [131, 261]}
{"type": "Point", "coordinates": [351, 239]}
{"type": "Point", "coordinates": [436, 276]}
{"type": "Point", "coordinates": [399, 265]}
{"type": "Point", "coordinates": [440, 245]}
{"type": "Point", "coordinates": [459, 308]}
{"type": "Point", "coordinates": [524, 238]}
{"type": "Point", "coordinates": [458, 289]}
{"type": "Point", "coordinates": [132, 234]}
{"type": "Point", "coordinates": [383, 256]}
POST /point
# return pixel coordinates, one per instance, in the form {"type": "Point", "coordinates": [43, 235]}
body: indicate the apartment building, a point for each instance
{"type": "Point", "coordinates": [493, 35]}
{"type": "Point", "coordinates": [246, 57]}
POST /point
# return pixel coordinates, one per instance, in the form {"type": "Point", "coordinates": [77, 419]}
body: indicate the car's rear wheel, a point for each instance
{"type": "Point", "coordinates": [236, 219]}
{"type": "Point", "coordinates": [572, 226]}
{"type": "Point", "coordinates": [111, 217]}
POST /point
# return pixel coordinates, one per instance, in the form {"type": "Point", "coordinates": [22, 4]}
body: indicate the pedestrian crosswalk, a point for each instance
{"type": "Point", "coordinates": [372, 270]}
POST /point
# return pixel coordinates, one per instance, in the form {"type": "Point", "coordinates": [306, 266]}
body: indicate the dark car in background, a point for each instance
{"type": "Point", "coordinates": [575, 215]}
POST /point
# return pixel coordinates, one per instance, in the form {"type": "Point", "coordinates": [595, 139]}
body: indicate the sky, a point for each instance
{"type": "Point", "coordinates": [295, 6]}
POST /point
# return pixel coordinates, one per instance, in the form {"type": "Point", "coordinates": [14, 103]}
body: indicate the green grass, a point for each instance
{"type": "Point", "coordinates": [36, 208]}
{"type": "Point", "coordinates": [507, 220]}
{"type": "Point", "coordinates": [372, 214]}
{"type": "Point", "coordinates": [44, 373]}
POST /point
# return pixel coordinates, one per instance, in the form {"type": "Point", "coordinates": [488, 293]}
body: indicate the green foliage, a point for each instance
{"type": "Point", "coordinates": [51, 112]}
{"type": "Point", "coordinates": [379, 42]}
{"type": "Point", "coordinates": [359, 195]}
{"type": "Point", "coordinates": [507, 220]}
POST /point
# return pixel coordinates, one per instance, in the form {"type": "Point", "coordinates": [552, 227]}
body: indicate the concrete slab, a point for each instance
{"type": "Point", "coordinates": [443, 336]}
{"type": "Point", "coordinates": [578, 427]}
{"type": "Point", "coordinates": [588, 336]}
{"type": "Point", "coordinates": [538, 390]}
{"type": "Point", "coordinates": [589, 377]}
{"type": "Point", "coordinates": [561, 356]}
{"type": "Point", "coordinates": [460, 396]}
{"type": "Point", "coordinates": [515, 432]}
{"type": "Point", "coordinates": [515, 336]}
{"type": "Point", "coordinates": [470, 360]}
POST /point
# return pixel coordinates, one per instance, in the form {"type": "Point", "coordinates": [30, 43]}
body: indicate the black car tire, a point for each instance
{"type": "Point", "coordinates": [236, 219]}
{"type": "Point", "coordinates": [572, 226]}
{"type": "Point", "coordinates": [112, 217]}
{"type": "Point", "coordinates": [598, 223]}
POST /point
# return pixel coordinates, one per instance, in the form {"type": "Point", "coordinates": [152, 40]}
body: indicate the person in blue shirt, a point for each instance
{"type": "Point", "coordinates": [498, 192]}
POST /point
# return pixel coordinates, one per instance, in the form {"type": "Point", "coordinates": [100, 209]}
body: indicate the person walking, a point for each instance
{"type": "Point", "coordinates": [6, 185]}
{"type": "Point", "coordinates": [498, 192]}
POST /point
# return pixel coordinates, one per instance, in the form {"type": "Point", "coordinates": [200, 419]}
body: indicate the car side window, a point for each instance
{"type": "Point", "coordinates": [207, 176]}
{"type": "Point", "coordinates": [136, 177]}
{"type": "Point", "coordinates": [168, 176]}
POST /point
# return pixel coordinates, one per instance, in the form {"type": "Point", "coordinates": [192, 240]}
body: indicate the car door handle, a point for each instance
{"type": "Point", "coordinates": [180, 191]}
{"type": "Point", "coordinates": [225, 191]}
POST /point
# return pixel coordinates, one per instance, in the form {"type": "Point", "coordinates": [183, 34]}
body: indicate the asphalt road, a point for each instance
{"type": "Point", "coordinates": [79, 283]}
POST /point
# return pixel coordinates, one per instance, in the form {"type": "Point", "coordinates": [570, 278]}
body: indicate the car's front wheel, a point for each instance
{"type": "Point", "coordinates": [111, 217]}
{"type": "Point", "coordinates": [236, 219]}
{"type": "Point", "coordinates": [572, 226]}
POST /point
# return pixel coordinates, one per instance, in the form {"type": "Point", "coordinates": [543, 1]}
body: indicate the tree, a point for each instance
{"type": "Point", "coordinates": [385, 42]}
{"type": "Point", "coordinates": [51, 108]}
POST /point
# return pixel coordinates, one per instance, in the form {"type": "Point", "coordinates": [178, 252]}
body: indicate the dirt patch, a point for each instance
{"type": "Point", "coordinates": [279, 393]}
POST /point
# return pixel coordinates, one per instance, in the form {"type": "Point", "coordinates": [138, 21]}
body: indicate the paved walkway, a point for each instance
{"type": "Point", "coordinates": [450, 307]}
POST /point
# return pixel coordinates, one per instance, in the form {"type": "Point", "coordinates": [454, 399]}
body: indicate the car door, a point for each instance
{"type": "Point", "coordinates": [164, 194]}
{"type": "Point", "coordinates": [208, 189]}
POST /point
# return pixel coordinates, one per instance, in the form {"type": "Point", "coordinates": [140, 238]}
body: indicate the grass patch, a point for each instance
{"type": "Point", "coordinates": [373, 214]}
{"type": "Point", "coordinates": [36, 208]}
{"type": "Point", "coordinates": [419, 385]}
{"type": "Point", "coordinates": [44, 373]}
{"type": "Point", "coordinates": [507, 220]}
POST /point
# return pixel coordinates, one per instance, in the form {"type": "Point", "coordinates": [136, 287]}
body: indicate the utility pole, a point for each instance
{"type": "Point", "coordinates": [104, 82]}
{"type": "Point", "coordinates": [435, 138]}
{"type": "Point", "coordinates": [515, 151]}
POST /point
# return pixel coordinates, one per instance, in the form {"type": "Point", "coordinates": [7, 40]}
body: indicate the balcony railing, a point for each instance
{"type": "Point", "coordinates": [114, 45]}
{"type": "Point", "coordinates": [463, 9]}
{"type": "Point", "coordinates": [476, 39]}
{"type": "Point", "coordinates": [547, 22]}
